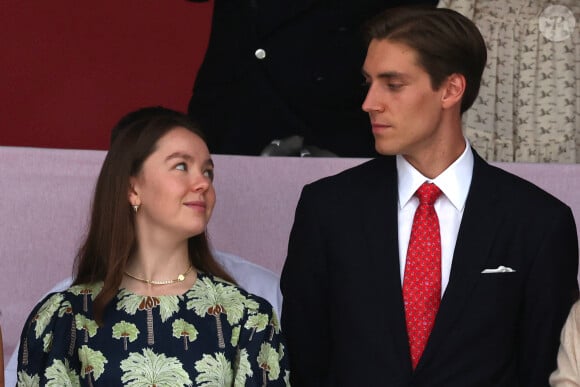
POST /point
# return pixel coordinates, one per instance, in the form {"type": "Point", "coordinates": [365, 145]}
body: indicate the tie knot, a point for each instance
{"type": "Point", "coordinates": [428, 193]}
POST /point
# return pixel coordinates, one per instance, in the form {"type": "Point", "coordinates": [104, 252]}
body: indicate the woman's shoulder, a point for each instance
{"type": "Point", "coordinates": [571, 330]}
{"type": "Point", "coordinates": [83, 290]}
{"type": "Point", "coordinates": [49, 316]}
{"type": "Point", "coordinates": [49, 305]}
{"type": "Point", "coordinates": [574, 316]}
{"type": "Point", "coordinates": [223, 290]}
{"type": "Point", "coordinates": [80, 292]}
{"type": "Point", "coordinates": [53, 302]}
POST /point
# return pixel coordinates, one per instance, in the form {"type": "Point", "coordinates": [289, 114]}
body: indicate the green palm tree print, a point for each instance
{"type": "Point", "coordinates": [86, 290]}
{"type": "Point", "coordinates": [215, 299]}
{"type": "Point", "coordinates": [269, 362]}
{"type": "Point", "coordinates": [182, 328]}
{"type": "Point", "coordinates": [126, 331]}
{"type": "Point", "coordinates": [214, 371]}
{"type": "Point", "coordinates": [131, 303]}
{"type": "Point", "coordinates": [92, 364]}
{"type": "Point", "coordinates": [25, 380]}
{"type": "Point", "coordinates": [59, 374]}
{"type": "Point", "coordinates": [87, 325]}
{"type": "Point", "coordinates": [151, 369]}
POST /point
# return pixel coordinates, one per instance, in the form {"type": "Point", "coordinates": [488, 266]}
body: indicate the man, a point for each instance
{"type": "Point", "coordinates": [286, 70]}
{"type": "Point", "coordinates": [383, 289]}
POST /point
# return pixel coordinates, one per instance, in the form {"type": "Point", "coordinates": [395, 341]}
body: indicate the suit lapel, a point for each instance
{"type": "Point", "coordinates": [380, 228]}
{"type": "Point", "coordinates": [474, 241]}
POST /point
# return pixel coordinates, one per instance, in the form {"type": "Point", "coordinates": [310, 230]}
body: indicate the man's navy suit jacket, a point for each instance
{"type": "Point", "coordinates": [343, 312]}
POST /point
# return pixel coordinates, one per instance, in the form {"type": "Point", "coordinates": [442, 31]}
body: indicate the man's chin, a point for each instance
{"type": "Point", "coordinates": [385, 150]}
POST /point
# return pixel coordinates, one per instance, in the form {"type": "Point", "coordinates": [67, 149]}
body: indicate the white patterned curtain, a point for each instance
{"type": "Point", "coordinates": [528, 109]}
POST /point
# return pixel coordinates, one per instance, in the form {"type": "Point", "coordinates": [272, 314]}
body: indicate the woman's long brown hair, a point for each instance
{"type": "Point", "coordinates": [111, 238]}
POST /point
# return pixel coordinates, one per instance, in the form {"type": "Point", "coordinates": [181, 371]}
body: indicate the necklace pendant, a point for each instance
{"type": "Point", "coordinates": [180, 278]}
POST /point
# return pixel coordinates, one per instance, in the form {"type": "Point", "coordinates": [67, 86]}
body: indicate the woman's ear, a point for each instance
{"type": "Point", "coordinates": [133, 195]}
{"type": "Point", "coordinates": [454, 90]}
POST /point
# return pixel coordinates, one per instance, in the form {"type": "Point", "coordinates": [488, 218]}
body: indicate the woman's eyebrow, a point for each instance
{"type": "Point", "coordinates": [179, 155]}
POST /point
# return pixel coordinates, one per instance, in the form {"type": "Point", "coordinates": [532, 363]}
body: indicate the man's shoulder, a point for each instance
{"type": "Point", "coordinates": [519, 192]}
{"type": "Point", "coordinates": [383, 167]}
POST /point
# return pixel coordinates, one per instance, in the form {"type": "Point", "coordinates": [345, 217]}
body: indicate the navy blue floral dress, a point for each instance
{"type": "Point", "coordinates": [215, 334]}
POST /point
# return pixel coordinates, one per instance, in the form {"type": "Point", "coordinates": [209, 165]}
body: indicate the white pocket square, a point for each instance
{"type": "Point", "coordinates": [500, 269]}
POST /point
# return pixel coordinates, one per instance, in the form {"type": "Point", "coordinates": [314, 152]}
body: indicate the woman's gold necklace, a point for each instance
{"type": "Point", "coordinates": [180, 278]}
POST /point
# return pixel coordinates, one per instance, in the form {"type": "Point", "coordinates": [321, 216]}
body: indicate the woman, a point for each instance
{"type": "Point", "coordinates": [568, 372]}
{"type": "Point", "coordinates": [149, 304]}
{"type": "Point", "coordinates": [1, 359]}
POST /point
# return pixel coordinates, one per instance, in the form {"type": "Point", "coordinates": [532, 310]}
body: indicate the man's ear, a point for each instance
{"type": "Point", "coordinates": [454, 88]}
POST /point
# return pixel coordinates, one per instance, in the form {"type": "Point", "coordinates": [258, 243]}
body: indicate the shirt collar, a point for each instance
{"type": "Point", "coordinates": [454, 181]}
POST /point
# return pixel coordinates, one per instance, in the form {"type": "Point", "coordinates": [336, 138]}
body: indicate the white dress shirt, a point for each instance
{"type": "Point", "coordinates": [454, 182]}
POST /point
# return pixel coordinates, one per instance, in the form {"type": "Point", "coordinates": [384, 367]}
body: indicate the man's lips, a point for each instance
{"type": "Point", "coordinates": [378, 127]}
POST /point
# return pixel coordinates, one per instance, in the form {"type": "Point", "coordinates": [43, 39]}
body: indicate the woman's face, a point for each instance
{"type": "Point", "coordinates": [174, 188]}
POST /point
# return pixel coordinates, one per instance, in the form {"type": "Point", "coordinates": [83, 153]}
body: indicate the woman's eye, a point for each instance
{"type": "Point", "coordinates": [181, 167]}
{"type": "Point", "coordinates": [209, 174]}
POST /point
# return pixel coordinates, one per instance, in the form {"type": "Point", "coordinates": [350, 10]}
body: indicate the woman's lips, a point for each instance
{"type": "Point", "coordinates": [195, 205]}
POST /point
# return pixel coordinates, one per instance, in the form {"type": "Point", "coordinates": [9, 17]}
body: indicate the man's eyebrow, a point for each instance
{"type": "Point", "coordinates": [385, 75]}
{"type": "Point", "coordinates": [391, 74]}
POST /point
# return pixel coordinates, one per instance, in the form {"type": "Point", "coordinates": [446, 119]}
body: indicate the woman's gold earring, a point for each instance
{"type": "Point", "coordinates": [136, 208]}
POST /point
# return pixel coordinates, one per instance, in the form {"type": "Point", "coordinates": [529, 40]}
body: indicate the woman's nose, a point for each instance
{"type": "Point", "coordinates": [201, 183]}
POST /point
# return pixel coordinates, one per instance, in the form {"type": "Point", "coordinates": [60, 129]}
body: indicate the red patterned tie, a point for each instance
{"type": "Point", "coordinates": [422, 282]}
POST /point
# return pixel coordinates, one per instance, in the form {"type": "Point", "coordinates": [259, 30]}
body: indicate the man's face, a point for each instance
{"type": "Point", "coordinates": [404, 110]}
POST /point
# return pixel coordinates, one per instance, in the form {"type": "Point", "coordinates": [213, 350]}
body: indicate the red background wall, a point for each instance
{"type": "Point", "coordinates": [70, 69]}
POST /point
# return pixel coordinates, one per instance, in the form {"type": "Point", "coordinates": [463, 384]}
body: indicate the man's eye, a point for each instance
{"type": "Point", "coordinates": [395, 86]}
{"type": "Point", "coordinates": [181, 167]}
